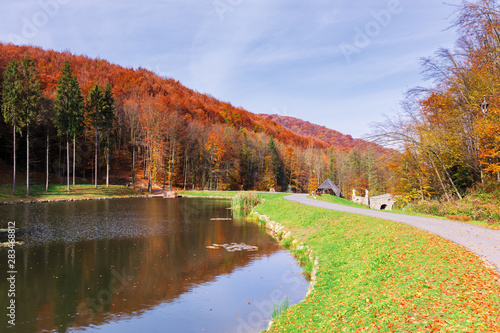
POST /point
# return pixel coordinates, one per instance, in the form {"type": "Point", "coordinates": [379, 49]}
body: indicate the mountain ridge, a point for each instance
{"type": "Point", "coordinates": [331, 136]}
{"type": "Point", "coordinates": [179, 137]}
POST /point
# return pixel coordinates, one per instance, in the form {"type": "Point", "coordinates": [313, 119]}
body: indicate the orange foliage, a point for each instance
{"type": "Point", "coordinates": [130, 84]}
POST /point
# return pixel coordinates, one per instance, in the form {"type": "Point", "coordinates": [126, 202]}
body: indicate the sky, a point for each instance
{"type": "Point", "coordinates": [342, 64]}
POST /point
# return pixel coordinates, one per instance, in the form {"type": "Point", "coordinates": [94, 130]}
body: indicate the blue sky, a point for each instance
{"type": "Point", "coordinates": [338, 63]}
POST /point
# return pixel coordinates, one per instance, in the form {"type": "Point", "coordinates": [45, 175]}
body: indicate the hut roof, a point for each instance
{"type": "Point", "coordinates": [329, 185]}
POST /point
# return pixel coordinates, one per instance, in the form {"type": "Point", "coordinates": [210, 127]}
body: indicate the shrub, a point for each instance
{"type": "Point", "coordinates": [459, 218]}
{"type": "Point", "coordinates": [478, 206]}
{"type": "Point", "coordinates": [245, 200]}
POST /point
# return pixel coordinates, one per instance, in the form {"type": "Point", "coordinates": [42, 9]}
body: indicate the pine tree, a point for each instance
{"type": "Point", "coordinates": [108, 117]}
{"type": "Point", "coordinates": [22, 100]}
{"type": "Point", "coordinates": [11, 104]}
{"type": "Point", "coordinates": [47, 119]}
{"type": "Point", "coordinates": [69, 107]}
{"type": "Point", "coordinates": [94, 111]}
{"type": "Point", "coordinates": [31, 99]}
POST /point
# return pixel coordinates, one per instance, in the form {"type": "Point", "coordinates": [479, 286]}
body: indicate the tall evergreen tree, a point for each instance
{"type": "Point", "coordinates": [47, 120]}
{"type": "Point", "coordinates": [69, 116]}
{"type": "Point", "coordinates": [94, 111]}
{"type": "Point", "coordinates": [108, 117]}
{"type": "Point", "coordinates": [11, 104]}
{"type": "Point", "coordinates": [31, 98]}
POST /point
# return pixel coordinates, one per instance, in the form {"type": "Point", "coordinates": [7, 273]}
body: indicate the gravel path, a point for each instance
{"type": "Point", "coordinates": [482, 241]}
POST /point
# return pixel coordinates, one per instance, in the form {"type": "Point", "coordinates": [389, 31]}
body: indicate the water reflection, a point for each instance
{"type": "Point", "coordinates": [124, 265]}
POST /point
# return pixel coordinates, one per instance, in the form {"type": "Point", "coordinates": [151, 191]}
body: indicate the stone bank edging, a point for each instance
{"type": "Point", "coordinates": [279, 232]}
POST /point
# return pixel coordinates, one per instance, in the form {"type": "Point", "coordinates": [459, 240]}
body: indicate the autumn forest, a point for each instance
{"type": "Point", "coordinates": [449, 133]}
{"type": "Point", "coordinates": [131, 126]}
{"type": "Point", "coordinates": [98, 122]}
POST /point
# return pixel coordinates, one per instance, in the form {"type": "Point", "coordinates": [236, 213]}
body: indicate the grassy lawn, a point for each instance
{"type": "Point", "coordinates": [229, 194]}
{"type": "Point", "coordinates": [209, 194]}
{"type": "Point", "coordinates": [345, 202]}
{"type": "Point", "coordinates": [381, 276]}
{"type": "Point", "coordinates": [337, 200]}
{"type": "Point", "coordinates": [59, 192]}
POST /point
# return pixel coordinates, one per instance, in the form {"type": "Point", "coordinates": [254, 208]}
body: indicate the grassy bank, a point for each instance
{"type": "Point", "coordinates": [381, 276]}
{"type": "Point", "coordinates": [472, 210]}
{"type": "Point", "coordinates": [337, 200]}
{"type": "Point", "coordinates": [59, 192]}
{"type": "Point", "coordinates": [229, 194]}
{"type": "Point", "coordinates": [210, 194]}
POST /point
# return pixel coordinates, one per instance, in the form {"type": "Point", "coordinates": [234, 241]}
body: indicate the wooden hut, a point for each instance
{"type": "Point", "coordinates": [328, 187]}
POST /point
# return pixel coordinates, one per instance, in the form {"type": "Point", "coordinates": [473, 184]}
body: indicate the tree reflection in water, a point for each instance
{"type": "Point", "coordinates": [97, 262]}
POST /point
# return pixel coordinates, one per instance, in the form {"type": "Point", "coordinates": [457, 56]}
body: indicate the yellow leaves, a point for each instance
{"type": "Point", "coordinates": [488, 129]}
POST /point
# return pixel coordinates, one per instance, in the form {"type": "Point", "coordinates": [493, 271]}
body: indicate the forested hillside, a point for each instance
{"type": "Point", "coordinates": [162, 133]}
{"type": "Point", "coordinates": [333, 137]}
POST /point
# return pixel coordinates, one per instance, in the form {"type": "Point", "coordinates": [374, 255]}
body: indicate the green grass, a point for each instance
{"type": "Point", "coordinates": [411, 210]}
{"type": "Point", "coordinates": [231, 194]}
{"type": "Point", "coordinates": [59, 192]}
{"type": "Point", "coordinates": [337, 200]}
{"type": "Point", "coordinates": [280, 308]}
{"type": "Point", "coordinates": [381, 276]}
{"type": "Point", "coordinates": [210, 194]}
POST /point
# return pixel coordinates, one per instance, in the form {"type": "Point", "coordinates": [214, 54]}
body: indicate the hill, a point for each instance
{"type": "Point", "coordinates": [168, 135]}
{"type": "Point", "coordinates": [136, 84]}
{"type": "Point", "coordinates": [333, 137]}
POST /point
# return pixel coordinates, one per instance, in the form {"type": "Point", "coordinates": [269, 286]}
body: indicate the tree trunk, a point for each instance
{"type": "Point", "coordinates": [47, 163]}
{"type": "Point", "coordinates": [445, 191]}
{"type": "Point", "coordinates": [150, 176]}
{"type": "Point", "coordinates": [59, 167]}
{"type": "Point", "coordinates": [74, 158]}
{"type": "Point", "coordinates": [28, 160]}
{"type": "Point", "coordinates": [447, 174]}
{"type": "Point", "coordinates": [144, 172]}
{"type": "Point", "coordinates": [119, 144]}
{"type": "Point", "coordinates": [107, 159]}
{"type": "Point", "coordinates": [185, 171]}
{"type": "Point", "coordinates": [133, 166]}
{"type": "Point", "coordinates": [14, 181]}
{"type": "Point", "coordinates": [150, 186]}
{"type": "Point", "coordinates": [172, 165]}
{"type": "Point", "coordinates": [95, 166]}
{"type": "Point", "coordinates": [84, 157]}
{"type": "Point", "coordinates": [67, 161]}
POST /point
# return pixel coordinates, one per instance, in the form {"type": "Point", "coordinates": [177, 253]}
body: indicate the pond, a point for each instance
{"type": "Point", "coordinates": [131, 265]}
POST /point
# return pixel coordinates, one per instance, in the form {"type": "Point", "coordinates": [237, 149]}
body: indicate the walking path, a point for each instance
{"type": "Point", "coordinates": [482, 241]}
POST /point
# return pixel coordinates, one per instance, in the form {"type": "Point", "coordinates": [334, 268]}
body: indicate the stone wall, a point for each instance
{"type": "Point", "coordinates": [382, 202]}
{"type": "Point", "coordinates": [360, 200]}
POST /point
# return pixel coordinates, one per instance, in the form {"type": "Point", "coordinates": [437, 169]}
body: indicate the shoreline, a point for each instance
{"type": "Point", "coordinates": [190, 196]}
{"type": "Point", "coordinates": [368, 273]}
{"type": "Point", "coordinates": [280, 234]}
{"type": "Point", "coordinates": [23, 202]}
{"type": "Point", "coordinates": [59, 193]}
{"type": "Point", "coordinates": [377, 275]}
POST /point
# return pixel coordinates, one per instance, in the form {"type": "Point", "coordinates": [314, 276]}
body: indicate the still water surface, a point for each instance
{"type": "Point", "coordinates": [133, 265]}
